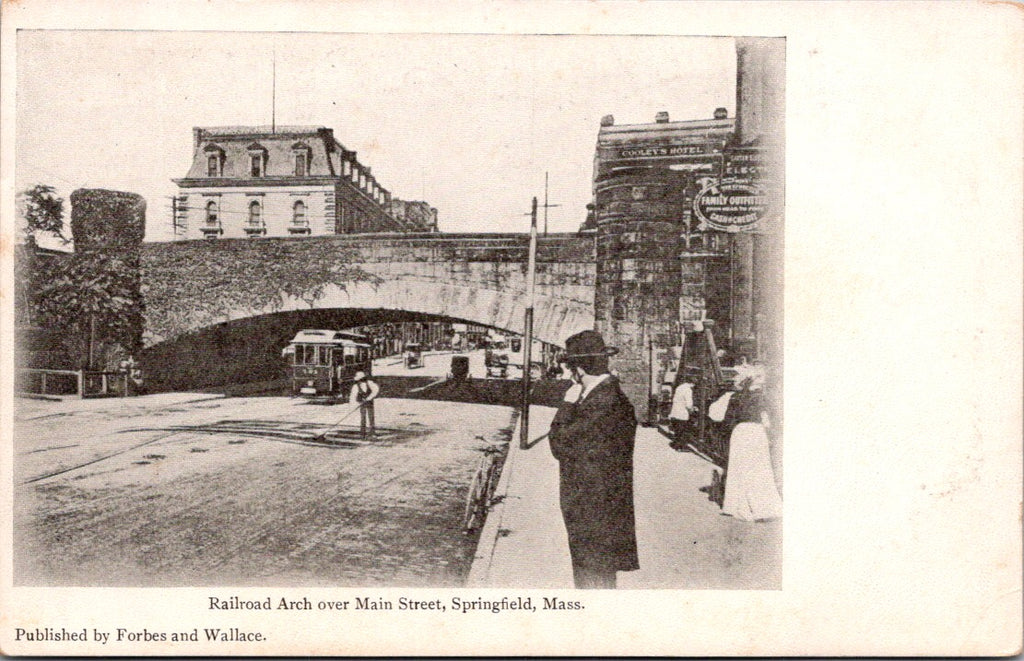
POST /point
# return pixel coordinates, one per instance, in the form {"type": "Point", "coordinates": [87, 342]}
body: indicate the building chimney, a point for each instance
{"type": "Point", "coordinates": [197, 135]}
{"type": "Point", "coordinates": [721, 113]}
{"type": "Point", "coordinates": [661, 117]}
{"type": "Point", "coordinates": [608, 120]}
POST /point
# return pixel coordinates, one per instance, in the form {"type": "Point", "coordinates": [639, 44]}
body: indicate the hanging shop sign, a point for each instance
{"type": "Point", "coordinates": [743, 163]}
{"type": "Point", "coordinates": [731, 206]}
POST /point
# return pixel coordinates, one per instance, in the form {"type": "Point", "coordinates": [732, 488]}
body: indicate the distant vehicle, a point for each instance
{"type": "Point", "coordinates": [413, 355]}
{"type": "Point", "coordinates": [516, 356]}
{"type": "Point", "coordinates": [496, 363]}
{"type": "Point", "coordinates": [324, 362]}
{"type": "Point", "coordinates": [460, 368]}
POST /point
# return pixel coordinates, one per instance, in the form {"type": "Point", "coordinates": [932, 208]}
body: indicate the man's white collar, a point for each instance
{"type": "Point", "coordinates": [593, 384]}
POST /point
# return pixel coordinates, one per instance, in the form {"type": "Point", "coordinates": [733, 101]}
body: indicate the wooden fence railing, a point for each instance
{"type": "Point", "coordinates": [82, 383]}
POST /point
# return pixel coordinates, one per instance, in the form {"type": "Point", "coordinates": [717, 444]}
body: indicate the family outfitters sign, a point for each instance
{"type": "Point", "coordinates": [738, 201]}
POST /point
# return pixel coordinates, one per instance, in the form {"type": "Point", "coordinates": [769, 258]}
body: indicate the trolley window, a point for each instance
{"type": "Point", "coordinates": [350, 355]}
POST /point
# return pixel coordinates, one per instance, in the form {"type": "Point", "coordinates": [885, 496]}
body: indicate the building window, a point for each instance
{"type": "Point", "coordinates": [214, 160]}
{"type": "Point", "coordinates": [301, 152]}
{"type": "Point", "coordinates": [257, 165]}
{"type": "Point", "coordinates": [255, 225]}
{"type": "Point", "coordinates": [211, 228]}
{"type": "Point", "coordinates": [299, 223]}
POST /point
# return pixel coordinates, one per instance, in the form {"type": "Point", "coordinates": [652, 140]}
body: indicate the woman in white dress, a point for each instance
{"type": "Point", "coordinates": [750, 491]}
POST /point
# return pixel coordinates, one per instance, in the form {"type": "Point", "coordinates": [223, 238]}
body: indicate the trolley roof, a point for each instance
{"type": "Point", "coordinates": [315, 336]}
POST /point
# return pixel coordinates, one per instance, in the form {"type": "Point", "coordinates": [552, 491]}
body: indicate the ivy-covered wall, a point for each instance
{"type": "Point", "coordinates": [194, 284]}
{"type": "Point", "coordinates": [189, 285]}
{"type": "Point", "coordinates": [107, 220]}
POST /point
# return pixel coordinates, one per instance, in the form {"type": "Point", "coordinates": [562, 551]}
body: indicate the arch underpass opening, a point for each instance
{"type": "Point", "coordinates": [244, 356]}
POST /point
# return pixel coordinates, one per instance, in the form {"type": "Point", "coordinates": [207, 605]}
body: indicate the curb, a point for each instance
{"type": "Point", "coordinates": [479, 571]}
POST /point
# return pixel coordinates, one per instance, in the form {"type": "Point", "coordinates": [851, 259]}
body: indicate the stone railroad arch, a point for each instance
{"type": "Point", "coordinates": [554, 319]}
{"type": "Point", "coordinates": [473, 278]}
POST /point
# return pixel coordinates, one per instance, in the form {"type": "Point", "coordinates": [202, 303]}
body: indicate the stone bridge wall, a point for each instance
{"type": "Point", "coordinates": [480, 278]}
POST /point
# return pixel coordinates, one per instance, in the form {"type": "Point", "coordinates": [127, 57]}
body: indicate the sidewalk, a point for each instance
{"type": "Point", "coordinates": [684, 540]}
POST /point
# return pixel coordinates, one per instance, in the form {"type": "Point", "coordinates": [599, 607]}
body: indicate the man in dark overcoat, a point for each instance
{"type": "Point", "coordinates": [592, 437]}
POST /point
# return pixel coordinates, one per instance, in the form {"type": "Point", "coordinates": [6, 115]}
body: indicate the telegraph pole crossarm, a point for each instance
{"type": "Point", "coordinates": [546, 205]}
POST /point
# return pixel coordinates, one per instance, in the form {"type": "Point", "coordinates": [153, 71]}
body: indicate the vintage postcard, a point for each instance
{"type": "Point", "coordinates": [614, 328]}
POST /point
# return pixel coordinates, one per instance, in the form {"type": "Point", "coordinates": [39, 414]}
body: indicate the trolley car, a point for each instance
{"type": "Point", "coordinates": [324, 362]}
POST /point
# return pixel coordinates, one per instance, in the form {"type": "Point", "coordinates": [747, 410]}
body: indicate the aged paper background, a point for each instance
{"type": "Point", "coordinates": [903, 346]}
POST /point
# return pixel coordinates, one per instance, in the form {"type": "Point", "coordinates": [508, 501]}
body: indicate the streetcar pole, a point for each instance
{"type": "Point", "coordinates": [524, 429]}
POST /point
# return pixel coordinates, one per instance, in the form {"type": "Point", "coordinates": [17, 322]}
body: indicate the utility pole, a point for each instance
{"type": "Point", "coordinates": [273, 94]}
{"type": "Point", "coordinates": [92, 338]}
{"type": "Point", "coordinates": [531, 267]}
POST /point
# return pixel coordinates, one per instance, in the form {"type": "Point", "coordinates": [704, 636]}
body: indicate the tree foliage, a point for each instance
{"type": "Point", "coordinates": [93, 288]}
{"type": "Point", "coordinates": [92, 293]}
{"type": "Point", "coordinates": [42, 211]}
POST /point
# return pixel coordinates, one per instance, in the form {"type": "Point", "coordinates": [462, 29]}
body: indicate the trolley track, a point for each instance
{"type": "Point", "coordinates": [98, 460]}
{"type": "Point", "coordinates": [305, 434]}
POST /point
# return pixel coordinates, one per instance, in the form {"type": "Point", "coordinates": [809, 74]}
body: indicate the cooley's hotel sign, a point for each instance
{"type": "Point", "coordinates": [659, 151]}
{"type": "Point", "coordinates": [737, 202]}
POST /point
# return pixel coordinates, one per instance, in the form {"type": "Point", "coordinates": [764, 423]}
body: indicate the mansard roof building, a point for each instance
{"type": "Point", "coordinates": [260, 181]}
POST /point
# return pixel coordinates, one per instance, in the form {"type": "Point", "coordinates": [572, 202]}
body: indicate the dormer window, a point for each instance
{"type": "Point", "coordinates": [257, 160]}
{"type": "Point", "coordinates": [301, 153]}
{"type": "Point", "coordinates": [214, 160]}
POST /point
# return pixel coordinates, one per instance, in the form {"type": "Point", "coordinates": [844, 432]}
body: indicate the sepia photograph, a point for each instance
{"type": "Point", "coordinates": [620, 328]}
{"type": "Point", "coordinates": [304, 320]}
